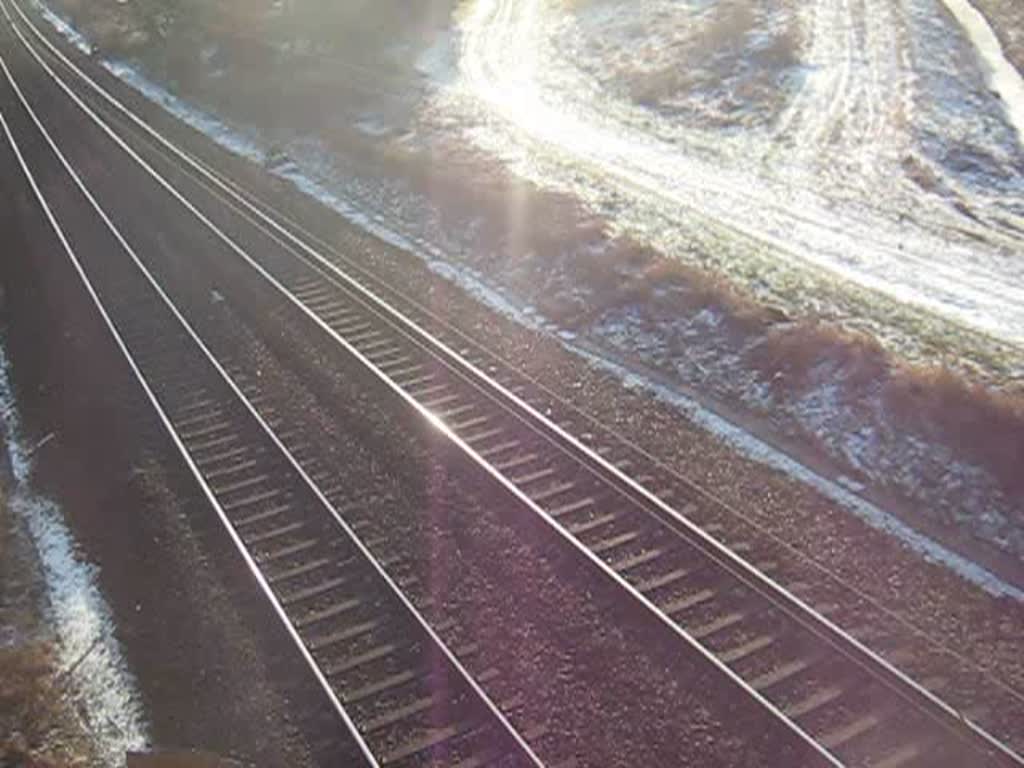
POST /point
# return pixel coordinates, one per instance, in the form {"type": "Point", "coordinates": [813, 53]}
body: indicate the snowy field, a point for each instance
{"type": "Point", "coordinates": [876, 143]}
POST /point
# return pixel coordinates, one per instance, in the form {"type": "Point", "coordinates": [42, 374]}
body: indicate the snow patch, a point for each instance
{"type": "Point", "coordinates": [81, 619]}
{"type": "Point", "coordinates": [1005, 79]}
{"type": "Point", "coordinates": [66, 31]}
{"type": "Point", "coordinates": [230, 138]}
{"type": "Point", "coordinates": [437, 63]}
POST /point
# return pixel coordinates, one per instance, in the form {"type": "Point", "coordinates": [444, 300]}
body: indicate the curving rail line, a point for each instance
{"type": "Point", "coordinates": [851, 706]}
{"type": "Point", "coordinates": [403, 695]}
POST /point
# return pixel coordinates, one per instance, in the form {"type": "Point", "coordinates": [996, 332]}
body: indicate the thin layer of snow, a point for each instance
{"type": "Point", "coordinates": [81, 619]}
{"type": "Point", "coordinates": [437, 63]}
{"type": "Point", "coordinates": [817, 196]}
{"type": "Point", "coordinates": [66, 31]}
{"type": "Point", "coordinates": [1005, 79]}
{"type": "Point", "coordinates": [230, 138]}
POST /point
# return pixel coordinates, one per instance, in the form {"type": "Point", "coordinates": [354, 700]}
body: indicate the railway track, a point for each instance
{"type": "Point", "coordinates": [403, 694]}
{"type": "Point", "coordinates": [850, 705]}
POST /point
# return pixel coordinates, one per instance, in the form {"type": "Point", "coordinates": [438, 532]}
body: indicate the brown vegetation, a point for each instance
{"type": "Point", "coordinates": [790, 355]}
{"type": "Point", "coordinates": [983, 424]}
{"type": "Point", "coordinates": [30, 708]}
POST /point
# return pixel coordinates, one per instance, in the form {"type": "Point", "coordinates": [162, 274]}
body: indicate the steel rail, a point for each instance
{"type": "Point", "coordinates": [179, 445]}
{"type": "Point", "coordinates": [514, 736]}
{"type": "Point", "coordinates": [800, 611]}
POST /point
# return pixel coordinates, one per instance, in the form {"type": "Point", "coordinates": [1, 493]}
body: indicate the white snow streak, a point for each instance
{"type": "Point", "coordinates": [1005, 79]}
{"type": "Point", "coordinates": [105, 690]}
{"type": "Point", "coordinates": [68, 32]}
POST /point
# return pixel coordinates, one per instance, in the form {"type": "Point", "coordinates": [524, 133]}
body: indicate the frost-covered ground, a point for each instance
{"type": "Point", "coordinates": [102, 690]}
{"type": "Point", "coordinates": [788, 145]}
{"type": "Point", "coordinates": [849, 165]}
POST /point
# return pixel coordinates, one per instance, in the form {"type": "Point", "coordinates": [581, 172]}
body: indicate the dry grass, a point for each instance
{"type": "Point", "coordinates": [794, 355]}
{"type": "Point", "coordinates": [981, 425]}
{"type": "Point", "coordinates": [30, 708]}
{"type": "Point", "coordinates": [985, 425]}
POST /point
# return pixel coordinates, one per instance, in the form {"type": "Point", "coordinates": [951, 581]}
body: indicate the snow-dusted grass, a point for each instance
{"type": "Point", "coordinates": [81, 619]}
{"type": "Point", "coordinates": [815, 195]}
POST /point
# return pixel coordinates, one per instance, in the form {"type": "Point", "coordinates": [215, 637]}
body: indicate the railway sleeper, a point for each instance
{"type": "Point", "coordinates": [359, 661]}
{"type": "Point", "coordinates": [345, 330]}
{"type": "Point", "coordinates": [495, 450]}
{"type": "Point", "coordinates": [843, 735]}
{"type": "Point", "coordinates": [421, 393]}
{"type": "Point", "coordinates": [737, 653]}
{"type": "Point", "coordinates": [300, 570]}
{"type": "Point", "coordinates": [516, 462]}
{"type": "Point", "coordinates": [201, 418]}
{"type": "Point", "coordinates": [240, 485]}
{"type": "Point", "coordinates": [410, 385]}
{"type": "Point", "coordinates": [572, 507]}
{"type": "Point", "coordinates": [433, 403]}
{"type": "Point", "coordinates": [384, 343]}
{"type": "Point", "coordinates": [201, 401]}
{"type": "Point", "coordinates": [593, 524]}
{"type": "Point", "coordinates": [326, 614]}
{"type": "Point", "coordinates": [626, 564]}
{"type": "Point", "coordinates": [612, 543]}
{"type": "Point", "coordinates": [434, 743]}
{"type": "Point", "coordinates": [253, 499]}
{"type": "Point", "coordinates": [339, 318]}
{"type": "Point", "coordinates": [902, 756]}
{"type": "Point", "coordinates": [780, 673]}
{"type": "Point", "coordinates": [218, 442]}
{"type": "Point", "coordinates": [231, 469]}
{"type": "Point", "coordinates": [274, 533]}
{"type": "Point", "coordinates": [663, 581]}
{"type": "Point", "coordinates": [219, 427]}
{"type": "Point", "coordinates": [471, 423]}
{"type": "Point", "coordinates": [316, 590]}
{"type": "Point", "coordinates": [286, 551]}
{"type": "Point", "coordinates": [263, 516]}
{"type": "Point", "coordinates": [682, 604]}
{"type": "Point", "coordinates": [401, 372]}
{"type": "Point", "coordinates": [400, 715]}
{"type": "Point", "coordinates": [814, 702]}
{"type": "Point", "coordinates": [533, 477]}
